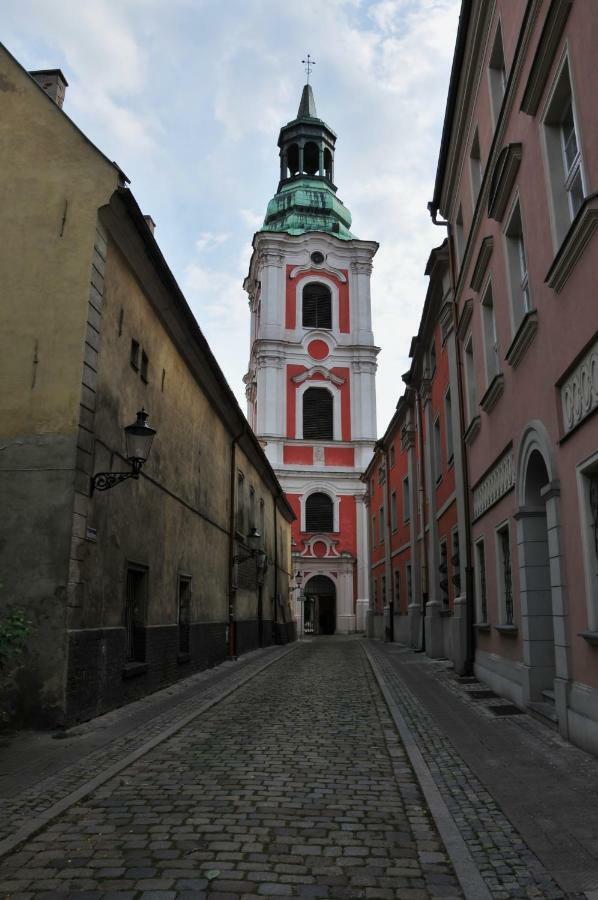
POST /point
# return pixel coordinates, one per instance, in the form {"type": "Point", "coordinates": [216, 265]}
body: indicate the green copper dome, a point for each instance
{"type": "Point", "coordinates": [306, 197]}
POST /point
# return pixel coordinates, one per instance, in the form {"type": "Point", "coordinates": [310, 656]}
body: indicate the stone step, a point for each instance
{"type": "Point", "coordinates": [544, 712]}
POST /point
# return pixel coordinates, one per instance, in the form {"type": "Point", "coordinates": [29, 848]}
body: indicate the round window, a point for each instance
{"type": "Point", "coordinates": [317, 258]}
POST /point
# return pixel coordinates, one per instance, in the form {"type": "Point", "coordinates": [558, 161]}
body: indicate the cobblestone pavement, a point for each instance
{"type": "Point", "coordinates": [506, 863]}
{"type": "Point", "coordinates": [296, 785]}
{"type": "Point", "coordinates": [204, 688]}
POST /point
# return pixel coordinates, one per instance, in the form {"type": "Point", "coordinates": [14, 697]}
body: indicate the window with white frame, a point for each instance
{"type": "Point", "coordinates": [587, 483]}
{"type": "Point", "coordinates": [480, 580]}
{"type": "Point", "coordinates": [517, 267]}
{"type": "Point", "coordinates": [448, 419]}
{"type": "Point", "coordinates": [497, 74]}
{"type": "Point", "coordinates": [475, 167]}
{"type": "Point", "coordinates": [319, 512]}
{"type": "Point", "coordinates": [490, 339]}
{"type": "Point", "coordinates": [394, 518]}
{"type": "Point", "coordinates": [470, 391]}
{"type": "Point", "coordinates": [505, 574]}
{"type": "Point", "coordinates": [437, 450]}
{"type": "Point", "coordinates": [459, 236]}
{"type": "Point", "coordinates": [406, 500]}
{"type": "Point", "coordinates": [317, 306]}
{"type": "Point", "coordinates": [563, 154]}
{"type": "Point", "coordinates": [318, 414]}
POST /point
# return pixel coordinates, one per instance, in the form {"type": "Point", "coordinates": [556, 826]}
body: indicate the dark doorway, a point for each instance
{"type": "Point", "coordinates": [320, 606]}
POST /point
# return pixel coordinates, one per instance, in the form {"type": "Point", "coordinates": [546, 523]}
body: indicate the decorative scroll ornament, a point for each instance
{"type": "Point", "coordinates": [579, 393]}
{"type": "Point", "coordinates": [495, 485]}
{"type": "Point", "coordinates": [103, 481]}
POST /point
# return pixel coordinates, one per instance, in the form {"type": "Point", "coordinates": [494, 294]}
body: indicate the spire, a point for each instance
{"type": "Point", "coordinates": [307, 106]}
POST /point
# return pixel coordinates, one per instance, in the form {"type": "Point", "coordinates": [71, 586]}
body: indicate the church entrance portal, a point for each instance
{"type": "Point", "coordinates": [319, 608]}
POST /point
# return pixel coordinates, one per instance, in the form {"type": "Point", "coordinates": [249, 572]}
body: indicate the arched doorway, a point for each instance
{"type": "Point", "coordinates": [319, 608]}
{"type": "Point", "coordinates": [536, 589]}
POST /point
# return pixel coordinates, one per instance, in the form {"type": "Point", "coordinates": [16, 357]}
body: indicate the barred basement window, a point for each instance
{"type": "Point", "coordinates": [383, 589]}
{"type": "Point", "coordinates": [409, 584]}
{"type": "Point", "coordinates": [319, 513]}
{"type": "Point", "coordinates": [317, 306]}
{"type": "Point", "coordinates": [398, 590]}
{"type": "Point", "coordinates": [456, 563]}
{"type": "Point", "coordinates": [184, 614]}
{"type": "Point", "coordinates": [504, 553]}
{"type": "Point", "coordinates": [134, 614]}
{"type": "Point", "coordinates": [481, 581]}
{"type": "Point", "coordinates": [318, 416]}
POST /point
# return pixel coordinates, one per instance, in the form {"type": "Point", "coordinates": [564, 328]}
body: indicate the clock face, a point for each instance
{"type": "Point", "coordinates": [317, 258]}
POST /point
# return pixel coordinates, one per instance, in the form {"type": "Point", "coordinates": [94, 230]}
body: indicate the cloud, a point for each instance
{"type": "Point", "coordinates": [208, 240]}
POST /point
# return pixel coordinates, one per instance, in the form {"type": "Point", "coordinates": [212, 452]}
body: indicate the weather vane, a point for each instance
{"type": "Point", "coordinates": [309, 63]}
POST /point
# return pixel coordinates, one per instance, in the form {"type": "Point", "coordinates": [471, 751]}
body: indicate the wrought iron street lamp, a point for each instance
{"type": "Point", "coordinates": [138, 439]}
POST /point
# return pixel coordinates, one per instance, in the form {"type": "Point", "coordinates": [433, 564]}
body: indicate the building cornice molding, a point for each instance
{"type": "Point", "coordinates": [523, 338]}
{"type": "Point", "coordinates": [493, 393]}
{"type": "Point", "coordinates": [579, 390]}
{"type": "Point", "coordinates": [324, 268]}
{"type": "Point", "coordinates": [481, 265]}
{"type": "Point", "coordinates": [503, 178]}
{"type": "Point", "coordinates": [472, 430]}
{"type": "Point", "coordinates": [326, 374]}
{"type": "Point", "coordinates": [576, 240]}
{"type": "Point", "coordinates": [497, 482]}
{"type": "Point", "coordinates": [547, 45]}
{"type": "Point", "coordinates": [465, 319]}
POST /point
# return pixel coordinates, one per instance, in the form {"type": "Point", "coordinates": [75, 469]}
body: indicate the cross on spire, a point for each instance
{"type": "Point", "coordinates": [309, 63]}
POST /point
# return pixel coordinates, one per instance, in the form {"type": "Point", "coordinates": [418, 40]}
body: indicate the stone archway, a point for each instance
{"type": "Point", "coordinates": [541, 582]}
{"type": "Point", "coordinates": [319, 608]}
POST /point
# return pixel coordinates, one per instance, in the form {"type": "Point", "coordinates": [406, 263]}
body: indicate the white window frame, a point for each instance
{"type": "Point", "coordinates": [559, 175]}
{"type": "Point", "coordinates": [497, 75]}
{"type": "Point", "coordinates": [321, 489]}
{"type": "Point", "coordinates": [475, 166]}
{"type": "Point", "coordinates": [335, 299]}
{"type": "Point", "coordinates": [448, 428]}
{"type": "Point", "coordinates": [516, 260]}
{"type": "Point", "coordinates": [406, 496]}
{"type": "Point", "coordinates": [590, 557]}
{"type": "Point", "coordinates": [471, 401]}
{"type": "Point", "coordinates": [336, 410]}
{"type": "Point", "coordinates": [491, 350]}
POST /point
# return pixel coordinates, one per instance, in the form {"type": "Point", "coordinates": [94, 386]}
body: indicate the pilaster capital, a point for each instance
{"type": "Point", "coordinates": [270, 361]}
{"type": "Point", "coordinates": [362, 267]}
{"type": "Point", "coordinates": [272, 258]}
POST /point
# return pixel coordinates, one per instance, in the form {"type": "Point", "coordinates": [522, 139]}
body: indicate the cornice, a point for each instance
{"type": "Point", "coordinates": [318, 370]}
{"type": "Point", "coordinates": [493, 393]}
{"type": "Point", "coordinates": [465, 319]}
{"type": "Point", "coordinates": [576, 240]}
{"type": "Point", "coordinates": [523, 338]}
{"type": "Point", "coordinates": [503, 179]}
{"type": "Point", "coordinates": [479, 270]}
{"type": "Point", "coordinates": [323, 267]}
{"type": "Point", "coordinates": [472, 430]}
{"type": "Point", "coordinates": [544, 55]}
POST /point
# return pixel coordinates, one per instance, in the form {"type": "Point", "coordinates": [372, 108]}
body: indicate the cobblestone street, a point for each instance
{"type": "Point", "coordinates": [293, 786]}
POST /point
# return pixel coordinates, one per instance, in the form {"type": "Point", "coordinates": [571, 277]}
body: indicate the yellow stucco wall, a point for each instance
{"type": "Point", "coordinates": [50, 173]}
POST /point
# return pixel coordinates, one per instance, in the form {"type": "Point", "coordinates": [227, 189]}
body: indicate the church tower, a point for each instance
{"type": "Point", "coordinates": [311, 381]}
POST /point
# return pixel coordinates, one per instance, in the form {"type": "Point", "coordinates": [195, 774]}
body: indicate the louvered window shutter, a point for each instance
{"type": "Point", "coordinates": [318, 415]}
{"type": "Point", "coordinates": [319, 513]}
{"type": "Point", "coordinates": [317, 306]}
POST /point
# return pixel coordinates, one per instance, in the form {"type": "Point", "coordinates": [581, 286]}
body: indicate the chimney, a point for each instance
{"type": "Point", "coordinates": [53, 83]}
{"type": "Point", "coordinates": [150, 223]}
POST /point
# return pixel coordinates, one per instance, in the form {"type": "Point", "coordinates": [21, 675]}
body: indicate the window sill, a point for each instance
{"type": "Point", "coordinates": [482, 626]}
{"type": "Point", "coordinates": [472, 430]}
{"type": "Point", "coordinates": [493, 393]}
{"type": "Point", "coordinates": [507, 630]}
{"type": "Point", "coordinates": [183, 657]}
{"type": "Point", "coordinates": [590, 636]}
{"type": "Point", "coordinates": [574, 243]}
{"type": "Point", "coordinates": [523, 338]}
{"type": "Point", "coordinates": [133, 669]}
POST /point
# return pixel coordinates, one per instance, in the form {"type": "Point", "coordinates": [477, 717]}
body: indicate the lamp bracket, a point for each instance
{"type": "Point", "coordinates": [103, 481]}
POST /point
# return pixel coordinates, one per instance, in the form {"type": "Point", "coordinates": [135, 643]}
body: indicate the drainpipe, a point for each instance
{"type": "Point", "coordinates": [275, 616]}
{"type": "Point", "coordinates": [232, 635]}
{"type": "Point", "coordinates": [422, 518]}
{"type": "Point", "coordinates": [469, 579]}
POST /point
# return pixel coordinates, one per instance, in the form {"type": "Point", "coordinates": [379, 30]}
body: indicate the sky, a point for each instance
{"type": "Point", "coordinates": [188, 97]}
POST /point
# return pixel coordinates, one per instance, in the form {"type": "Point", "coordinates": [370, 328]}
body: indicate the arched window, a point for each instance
{"type": "Point", "coordinates": [293, 159]}
{"type": "Point", "coordinates": [311, 158]}
{"type": "Point", "coordinates": [317, 306]}
{"type": "Point", "coordinates": [318, 416]}
{"type": "Point", "coordinates": [328, 163]}
{"type": "Point", "coordinates": [319, 513]}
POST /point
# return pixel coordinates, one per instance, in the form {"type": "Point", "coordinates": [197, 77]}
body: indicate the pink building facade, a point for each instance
{"type": "Point", "coordinates": [517, 183]}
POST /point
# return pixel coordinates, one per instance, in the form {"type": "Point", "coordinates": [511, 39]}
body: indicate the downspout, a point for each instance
{"type": "Point", "coordinates": [469, 574]}
{"type": "Point", "coordinates": [275, 611]}
{"type": "Point", "coordinates": [232, 636]}
{"type": "Point", "coordinates": [387, 551]}
{"type": "Point", "coordinates": [422, 517]}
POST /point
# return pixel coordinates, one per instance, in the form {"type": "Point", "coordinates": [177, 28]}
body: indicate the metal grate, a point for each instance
{"type": "Point", "coordinates": [506, 709]}
{"type": "Point", "coordinates": [318, 414]}
{"type": "Point", "coordinates": [317, 306]}
{"type": "Point", "coordinates": [508, 583]}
